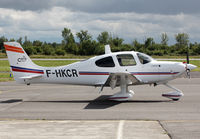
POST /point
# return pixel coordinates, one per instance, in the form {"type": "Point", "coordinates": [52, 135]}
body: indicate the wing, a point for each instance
{"type": "Point", "coordinates": [115, 79]}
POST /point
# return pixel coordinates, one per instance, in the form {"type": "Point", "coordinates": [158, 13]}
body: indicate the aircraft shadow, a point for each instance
{"type": "Point", "coordinates": [102, 102]}
{"type": "Point", "coordinates": [11, 101]}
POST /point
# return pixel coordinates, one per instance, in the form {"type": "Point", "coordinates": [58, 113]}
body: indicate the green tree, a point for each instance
{"type": "Point", "coordinates": [149, 44]}
{"type": "Point", "coordinates": [60, 52]}
{"type": "Point", "coordinates": [99, 49]}
{"type": "Point", "coordinates": [2, 40]}
{"type": "Point", "coordinates": [48, 50]}
{"type": "Point", "coordinates": [182, 40]}
{"type": "Point", "coordinates": [27, 42]}
{"type": "Point", "coordinates": [68, 41]}
{"type": "Point", "coordinates": [83, 35]}
{"type": "Point", "coordinates": [38, 49]}
{"type": "Point", "coordinates": [195, 48]}
{"type": "Point", "coordinates": [12, 40]}
{"type": "Point", "coordinates": [137, 46]}
{"type": "Point", "coordinates": [68, 36]}
{"type": "Point", "coordinates": [103, 38]}
{"type": "Point", "coordinates": [20, 40]}
{"type": "Point", "coordinates": [37, 43]}
{"type": "Point", "coordinates": [86, 44]}
{"type": "Point", "coordinates": [164, 39]}
{"type": "Point", "coordinates": [30, 50]}
{"type": "Point", "coordinates": [117, 41]}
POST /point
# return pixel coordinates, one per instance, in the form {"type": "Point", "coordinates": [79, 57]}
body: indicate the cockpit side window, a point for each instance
{"type": "Point", "coordinates": [105, 62]}
{"type": "Point", "coordinates": [144, 59]}
{"type": "Point", "coordinates": [126, 60]}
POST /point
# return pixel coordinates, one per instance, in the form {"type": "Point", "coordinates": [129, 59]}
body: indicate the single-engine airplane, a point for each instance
{"type": "Point", "coordinates": [110, 69]}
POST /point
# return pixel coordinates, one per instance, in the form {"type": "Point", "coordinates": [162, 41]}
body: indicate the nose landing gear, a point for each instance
{"type": "Point", "coordinates": [174, 95]}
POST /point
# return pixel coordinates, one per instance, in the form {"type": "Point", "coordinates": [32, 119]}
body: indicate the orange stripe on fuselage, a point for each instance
{"type": "Point", "coordinates": [13, 49]}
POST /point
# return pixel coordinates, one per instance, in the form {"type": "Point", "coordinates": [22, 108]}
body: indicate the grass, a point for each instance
{"type": "Point", "coordinates": [197, 63]}
{"type": "Point", "coordinates": [53, 63]}
{"type": "Point", "coordinates": [5, 67]}
{"type": "Point", "coordinates": [6, 79]}
{"type": "Point", "coordinates": [5, 76]}
{"type": "Point", "coordinates": [61, 57]}
{"type": "Point", "coordinates": [174, 57]}
{"type": "Point", "coordinates": [3, 55]}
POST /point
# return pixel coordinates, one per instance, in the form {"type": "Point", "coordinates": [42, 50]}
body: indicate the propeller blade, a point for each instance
{"type": "Point", "coordinates": [187, 70]}
{"type": "Point", "coordinates": [186, 64]}
{"type": "Point", "coordinates": [188, 73]}
{"type": "Point", "coordinates": [187, 58]}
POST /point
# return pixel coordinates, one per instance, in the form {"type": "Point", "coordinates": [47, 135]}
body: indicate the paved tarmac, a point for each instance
{"type": "Point", "coordinates": [48, 103]}
{"type": "Point", "coordinates": [87, 129]}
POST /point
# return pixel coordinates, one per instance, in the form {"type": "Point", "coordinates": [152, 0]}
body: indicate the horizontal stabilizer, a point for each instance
{"type": "Point", "coordinates": [32, 76]}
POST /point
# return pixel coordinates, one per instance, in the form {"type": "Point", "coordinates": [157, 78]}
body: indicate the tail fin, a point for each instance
{"type": "Point", "coordinates": [21, 65]}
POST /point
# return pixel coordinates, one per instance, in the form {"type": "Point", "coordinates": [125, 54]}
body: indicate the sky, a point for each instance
{"type": "Point", "coordinates": [129, 19]}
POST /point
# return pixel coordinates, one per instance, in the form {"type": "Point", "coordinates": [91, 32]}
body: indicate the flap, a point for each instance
{"type": "Point", "coordinates": [115, 79]}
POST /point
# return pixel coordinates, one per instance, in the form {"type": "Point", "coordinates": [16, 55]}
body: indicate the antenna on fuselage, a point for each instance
{"type": "Point", "coordinates": [107, 49]}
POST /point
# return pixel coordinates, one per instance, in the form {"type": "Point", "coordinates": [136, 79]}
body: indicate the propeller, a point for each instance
{"type": "Point", "coordinates": [187, 57]}
{"type": "Point", "coordinates": [188, 66]}
{"type": "Point", "coordinates": [188, 62]}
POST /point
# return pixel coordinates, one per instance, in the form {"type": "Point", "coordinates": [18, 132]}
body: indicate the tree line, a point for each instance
{"type": "Point", "coordinates": [82, 43]}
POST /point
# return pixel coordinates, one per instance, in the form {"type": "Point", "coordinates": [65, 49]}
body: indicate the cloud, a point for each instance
{"type": "Point", "coordinates": [46, 25]}
{"type": "Point", "coordinates": [25, 4]}
{"type": "Point", "coordinates": [108, 6]}
{"type": "Point", "coordinates": [137, 6]}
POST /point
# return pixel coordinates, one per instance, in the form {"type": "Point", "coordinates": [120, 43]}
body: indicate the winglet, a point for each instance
{"type": "Point", "coordinates": [107, 49]}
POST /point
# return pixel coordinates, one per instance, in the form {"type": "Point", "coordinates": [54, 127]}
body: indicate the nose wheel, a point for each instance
{"type": "Point", "coordinates": [174, 95]}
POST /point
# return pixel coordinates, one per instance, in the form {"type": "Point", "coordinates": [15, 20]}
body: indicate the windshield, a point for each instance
{"type": "Point", "coordinates": [144, 59]}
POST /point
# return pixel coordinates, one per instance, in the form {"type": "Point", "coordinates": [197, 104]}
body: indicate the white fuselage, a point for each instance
{"type": "Point", "coordinates": [88, 73]}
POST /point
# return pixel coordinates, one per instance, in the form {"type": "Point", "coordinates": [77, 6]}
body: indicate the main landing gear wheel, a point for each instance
{"type": "Point", "coordinates": [174, 95]}
{"type": "Point", "coordinates": [124, 94]}
{"type": "Point", "coordinates": [175, 99]}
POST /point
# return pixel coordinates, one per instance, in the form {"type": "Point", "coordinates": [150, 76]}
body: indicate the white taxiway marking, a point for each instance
{"type": "Point", "coordinates": [120, 129]}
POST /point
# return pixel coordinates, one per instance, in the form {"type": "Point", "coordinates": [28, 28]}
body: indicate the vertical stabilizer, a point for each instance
{"type": "Point", "coordinates": [20, 63]}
